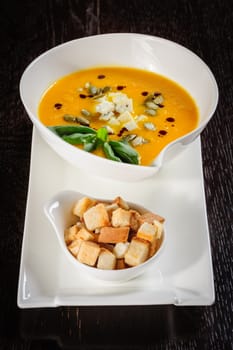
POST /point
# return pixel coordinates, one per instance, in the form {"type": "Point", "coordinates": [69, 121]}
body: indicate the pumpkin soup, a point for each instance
{"type": "Point", "coordinates": [125, 114]}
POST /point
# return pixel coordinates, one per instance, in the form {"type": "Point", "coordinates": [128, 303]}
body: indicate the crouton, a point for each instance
{"type": "Point", "coordinates": [96, 217]}
{"type": "Point", "coordinates": [107, 246]}
{"type": "Point", "coordinates": [150, 217]}
{"type": "Point", "coordinates": [159, 227]}
{"type": "Point", "coordinates": [88, 253]}
{"type": "Point", "coordinates": [75, 246]}
{"type": "Point", "coordinates": [121, 203]}
{"type": "Point", "coordinates": [135, 220]}
{"type": "Point", "coordinates": [106, 260]}
{"type": "Point", "coordinates": [70, 234]}
{"type": "Point", "coordinates": [120, 264]}
{"type": "Point", "coordinates": [148, 232]}
{"type": "Point", "coordinates": [113, 234]}
{"type": "Point", "coordinates": [111, 207]}
{"type": "Point", "coordinates": [121, 217]}
{"type": "Point", "coordinates": [120, 249]}
{"type": "Point", "coordinates": [95, 237]}
{"type": "Point", "coordinates": [138, 252]}
{"type": "Point", "coordinates": [153, 247]}
{"type": "Point", "coordinates": [85, 234]}
{"type": "Point", "coordinates": [82, 205]}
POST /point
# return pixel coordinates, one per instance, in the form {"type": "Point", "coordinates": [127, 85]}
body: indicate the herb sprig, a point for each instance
{"type": "Point", "coordinates": [92, 139]}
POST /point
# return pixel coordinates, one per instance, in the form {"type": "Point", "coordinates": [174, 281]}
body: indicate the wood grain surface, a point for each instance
{"type": "Point", "coordinates": [29, 28]}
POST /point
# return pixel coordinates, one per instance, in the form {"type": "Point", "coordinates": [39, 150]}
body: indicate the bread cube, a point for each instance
{"type": "Point", "coordinates": [88, 253]}
{"type": "Point", "coordinates": [147, 231]}
{"type": "Point", "coordinates": [111, 207]}
{"type": "Point", "coordinates": [70, 234]}
{"type": "Point", "coordinates": [121, 217]}
{"type": "Point", "coordinates": [85, 234]}
{"type": "Point", "coordinates": [138, 252]}
{"type": "Point", "coordinates": [75, 246]}
{"type": "Point", "coordinates": [150, 217]}
{"type": "Point", "coordinates": [96, 217]}
{"type": "Point", "coordinates": [82, 205]}
{"type": "Point", "coordinates": [107, 246]}
{"type": "Point", "coordinates": [121, 203]}
{"type": "Point", "coordinates": [159, 227]}
{"type": "Point", "coordinates": [113, 234]}
{"type": "Point", "coordinates": [153, 247]}
{"type": "Point", "coordinates": [120, 264]}
{"type": "Point", "coordinates": [95, 237]}
{"type": "Point", "coordinates": [135, 220]}
{"type": "Point", "coordinates": [120, 249]}
{"type": "Point", "coordinates": [106, 260]}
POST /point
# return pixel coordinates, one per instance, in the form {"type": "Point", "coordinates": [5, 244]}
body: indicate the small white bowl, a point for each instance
{"type": "Point", "coordinates": [133, 50]}
{"type": "Point", "coordinates": [58, 211]}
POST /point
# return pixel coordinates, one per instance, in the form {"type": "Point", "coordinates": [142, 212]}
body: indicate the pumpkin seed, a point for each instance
{"type": "Point", "coordinates": [93, 90]}
{"type": "Point", "coordinates": [158, 99]}
{"type": "Point", "coordinates": [85, 112]}
{"type": "Point", "coordinates": [109, 129]}
{"type": "Point", "coordinates": [129, 137]}
{"type": "Point", "coordinates": [83, 121]}
{"type": "Point", "coordinates": [78, 119]}
{"type": "Point", "coordinates": [139, 140]}
{"type": "Point", "coordinates": [106, 89]}
{"type": "Point", "coordinates": [149, 126]}
{"type": "Point", "coordinates": [150, 97]}
{"type": "Point", "coordinates": [151, 105]}
{"type": "Point", "coordinates": [96, 97]}
{"type": "Point", "coordinates": [151, 112]}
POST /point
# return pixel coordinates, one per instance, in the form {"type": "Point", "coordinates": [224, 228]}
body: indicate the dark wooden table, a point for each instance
{"type": "Point", "coordinates": [29, 28]}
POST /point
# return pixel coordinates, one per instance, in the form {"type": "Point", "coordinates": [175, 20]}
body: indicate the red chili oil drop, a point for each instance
{"type": "Point", "coordinates": [101, 76]}
{"type": "Point", "coordinates": [170, 119]}
{"type": "Point", "coordinates": [162, 132]}
{"type": "Point", "coordinates": [82, 96]}
{"type": "Point", "coordinates": [121, 131]}
{"type": "Point", "coordinates": [121, 87]}
{"type": "Point", "coordinates": [58, 105]}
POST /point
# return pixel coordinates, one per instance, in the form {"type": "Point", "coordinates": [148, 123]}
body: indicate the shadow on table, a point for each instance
{"type": "Point", "coordinates": [109, 327]}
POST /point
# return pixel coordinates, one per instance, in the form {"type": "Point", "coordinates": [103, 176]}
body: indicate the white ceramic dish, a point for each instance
{"type": "Point", "coordinates": [58, 211]}
{"type": "Point", "coordinates": [183, 274]}
{"type": "Point", "coordinates": [136, 50]}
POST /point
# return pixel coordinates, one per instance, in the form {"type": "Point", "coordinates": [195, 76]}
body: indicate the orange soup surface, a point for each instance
{"type": "Point", "coordinates": [146, 109]}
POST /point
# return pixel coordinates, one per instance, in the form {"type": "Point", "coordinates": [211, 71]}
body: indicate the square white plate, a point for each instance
{"type": "Point", "coordinates": [183, 273]}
